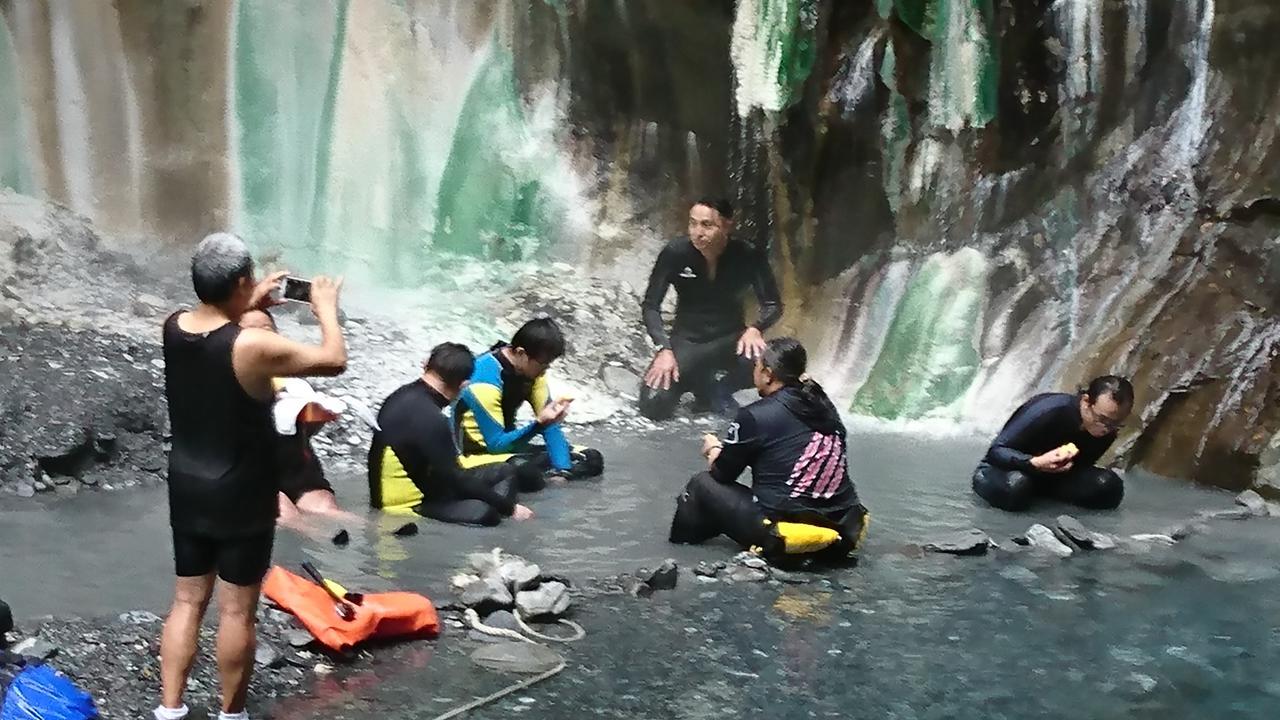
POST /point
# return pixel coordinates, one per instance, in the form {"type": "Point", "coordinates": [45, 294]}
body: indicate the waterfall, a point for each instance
{"type": "Point", "coordinates": [772, 51]}
{"type": "Point", "coordinates": [962, 68]}
{"type": "Point", "coordinates": [855, 79]}
{"type": "Point", "coordinates": [15, 168]}
{"type": "Point", "coordinates": [852, 351]}
{"type": "Point", "coordinates": [346, 167]}
{"type": "Point", "coordinates": [929, 355]}
{"type": "Point", "coordinates": [1189, 136]}
{"type": "Point", "coordinates": [1080, 27]}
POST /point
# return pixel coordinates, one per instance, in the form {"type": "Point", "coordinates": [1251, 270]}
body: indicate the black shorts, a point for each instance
{"type": "Point", "coordinates": [299, 468]}
{"type": "Point", "coordinates": [239, 561]}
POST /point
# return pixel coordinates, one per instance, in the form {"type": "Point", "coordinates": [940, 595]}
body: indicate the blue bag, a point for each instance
{"type": "Point", "coordinates": [41, 693]}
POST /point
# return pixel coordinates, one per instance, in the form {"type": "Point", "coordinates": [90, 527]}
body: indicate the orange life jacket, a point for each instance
{"type": "Point", "coordinates": [380, 615]}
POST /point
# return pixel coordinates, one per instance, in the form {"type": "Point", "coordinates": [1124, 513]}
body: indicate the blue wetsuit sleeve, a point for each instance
{"type": "Point", "coordinates": [558, 449]}
{"type": "Point", "coordinates": [767, 295]}
{"type": "Point", "coordinates": [741, 446]}
{"type": "Point", "coordinates": [483, 401]}
{"type": "Point", "coordinates": [654, 293]}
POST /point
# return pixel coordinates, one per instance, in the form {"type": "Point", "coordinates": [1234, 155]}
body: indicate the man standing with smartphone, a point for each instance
{"type": "Point", "coordinates": [222, 479]}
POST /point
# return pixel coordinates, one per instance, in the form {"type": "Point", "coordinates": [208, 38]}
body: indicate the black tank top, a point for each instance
{"type": "Point", "coordinates": [222, 479]}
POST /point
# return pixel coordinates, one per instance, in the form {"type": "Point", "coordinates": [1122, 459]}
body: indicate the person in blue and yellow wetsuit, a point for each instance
{"type": "Point", "coordinates": [413, 461]}
{"type": "Point", "coordinates": [506, 377]}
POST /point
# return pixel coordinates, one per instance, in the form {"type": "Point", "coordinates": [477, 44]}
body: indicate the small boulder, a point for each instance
{"type": "Point", "coordinates": [139, 617]}
{"type": "Point", "coordinates": [1253, 502]}
{"type": "Point", "coordinates": [486, 595]}
{"type": "Point", "coordinates": [1084, 537]}
{"type": "Point", "coordinates": [35, 647]}
{"type": "Point", "coordinates": [518, 573]}
{"type": "Point", "coordinates": [750, 560]}
{"type": "Point", "coordinates": [636, 587]}
{"type": "Point", "coordinates": [502, 619]}
{"type": "Point", "coordinates": [705, 569]}
{"type": "Point", "coordinates": [342, 538]}
{"type": "Point", "coordinates": [298, 638]}
{"type": "Point", "coordinates": [745, 574]}
{"type": "Point", "coordinates": [620, 381]}
{"type": "Point", "coordinates": [965, 542]}
{"type": "Point", "coordinates": [1042, 538]}
{"type": "Point", "coordinates": [486, 562]}
{"type": "Point", "coordinates": [266, 655]}
{"type": "Point", "coordinates": [665, 577]}
{"type": "Point", "coordinates": [406, 530]}
{"type": "Point", "coordinates": [549, 599]}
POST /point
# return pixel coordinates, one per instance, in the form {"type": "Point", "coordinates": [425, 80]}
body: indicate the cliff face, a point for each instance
{"type": "Point", "coordinates": [966, 200]}
{"type": "Point", "coordinates": [971, 200]}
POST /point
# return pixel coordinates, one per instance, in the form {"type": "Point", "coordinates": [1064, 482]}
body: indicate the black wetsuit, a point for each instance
{"type": "Point", "coordinates": [222, 470]}
{"type": "Point", "coordinates": [708, 320]}
{"type": "Point", "coordinates": [413, 463]}
{"type": "Point", "coordinates": [1006, 479]}
{"type": "Point", "coordinates": [799, 473]}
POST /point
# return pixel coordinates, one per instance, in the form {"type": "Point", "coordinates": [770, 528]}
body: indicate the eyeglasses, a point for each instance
{"type": "Point", "coordinates": [1105, 422]}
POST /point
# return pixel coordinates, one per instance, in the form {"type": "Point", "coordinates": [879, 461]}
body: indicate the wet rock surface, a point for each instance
{"type": "Point", "coordinates": [965, 542]}
{"type": "Point", "coordinates": [116, 660]}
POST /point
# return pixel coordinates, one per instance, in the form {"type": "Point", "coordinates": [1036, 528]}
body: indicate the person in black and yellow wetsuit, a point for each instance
{"type": "Point", "coordinates": [801, 500]}
{"type": "Point", "coordinates": [413, 461]}
{"type": "Point", "coordinates": [506, 377]}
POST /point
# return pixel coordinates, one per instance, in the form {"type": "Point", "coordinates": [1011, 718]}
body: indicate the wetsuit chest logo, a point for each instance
{"type": "Point", "coordinates": [688, 272]}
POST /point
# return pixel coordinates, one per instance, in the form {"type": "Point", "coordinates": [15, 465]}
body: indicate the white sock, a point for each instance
{"type": "Point", "coordinates": [164, 713]}
{"type": "Point", "coordinates": [242, 715]}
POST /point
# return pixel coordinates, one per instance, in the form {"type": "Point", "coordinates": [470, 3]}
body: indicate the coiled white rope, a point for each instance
{"type": "Point", "coordinates": [474, 622]}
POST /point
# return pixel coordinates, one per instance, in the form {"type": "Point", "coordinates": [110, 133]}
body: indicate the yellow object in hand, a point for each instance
{"type": "Point", "coordinates": [1070, 450]}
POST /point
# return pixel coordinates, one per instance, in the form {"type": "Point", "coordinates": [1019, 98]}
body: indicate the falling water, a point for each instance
{"type": "Point", "coordinates": [772, 51]}
{"type": "Point", "coordinates": [962, 69]}
{"type": "Point", "coordinates": [855, 79]}
{"type": "Point", "coordinates": [15, 172]}
{"type": "Point", "coordinates": [1080, 27]}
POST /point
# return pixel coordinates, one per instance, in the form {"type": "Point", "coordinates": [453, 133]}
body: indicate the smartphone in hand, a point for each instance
{"type": "Point", "coordinates": [297, 290]}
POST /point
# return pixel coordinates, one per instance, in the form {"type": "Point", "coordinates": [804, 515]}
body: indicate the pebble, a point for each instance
{"type": "Point", "coordinates": [139, 617]}
{"type": "Point", "coordinates": [298, 638]}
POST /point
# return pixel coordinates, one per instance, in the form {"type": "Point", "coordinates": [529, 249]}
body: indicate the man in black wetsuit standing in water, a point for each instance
{"type": "Point", "coordinates": [1050, 446]}
{"type": "Point", "coordinates": [711, 274]}
{"type": "Point", "coordinates": [222, 475]}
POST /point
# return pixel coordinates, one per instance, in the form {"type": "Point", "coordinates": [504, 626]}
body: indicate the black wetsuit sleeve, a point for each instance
{"type": "Point", "coordinates": [1022, 427]}
{"type": "Point", "coordinates": [654, 293]}
{"type": "Point", "coordinates": [431, 462]}
{"type": "Point", "coordinates": [767, 295]}
{"type": "Point", "coordinates": [741, 447]}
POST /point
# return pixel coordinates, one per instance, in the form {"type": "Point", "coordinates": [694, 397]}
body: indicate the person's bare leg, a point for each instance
{"type": "Point", "coordinates": [287, 514]}
{"type": "Point", "coordinates": [323, 502]}
{"type": "Point", "coordinates": [237, 618]}
{"type": "Point", "coordinates": [180, 636]}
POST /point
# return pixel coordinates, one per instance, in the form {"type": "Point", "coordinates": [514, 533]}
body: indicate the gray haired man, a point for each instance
{"type": "Point", "coordinates": [222, 480]}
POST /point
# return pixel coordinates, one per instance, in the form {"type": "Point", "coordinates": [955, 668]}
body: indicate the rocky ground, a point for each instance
{"type": "Point", "coordinates": [81, 375]}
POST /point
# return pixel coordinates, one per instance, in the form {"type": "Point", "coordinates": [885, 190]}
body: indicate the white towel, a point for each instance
{"type": "Point", "coordinates": [295, 394]}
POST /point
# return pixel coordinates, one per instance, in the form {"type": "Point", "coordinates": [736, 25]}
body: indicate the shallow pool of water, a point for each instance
{"type": "Point", "coordinates": [1171, 631]}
